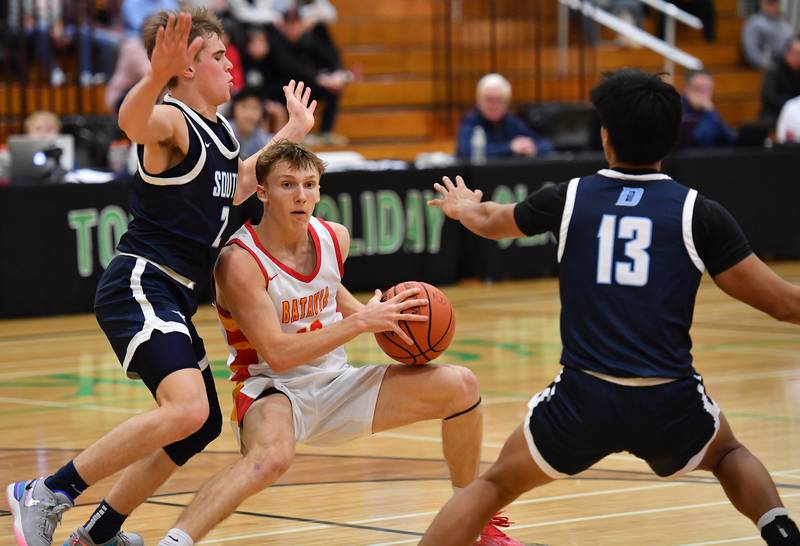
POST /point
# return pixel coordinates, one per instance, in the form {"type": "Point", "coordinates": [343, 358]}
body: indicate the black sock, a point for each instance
{"type": "Point", "coordinates": [781, 531]}
{"type": "Point", "coordinates": [68, 481]}
{"type": "Point", "coordinates": [104, 524]}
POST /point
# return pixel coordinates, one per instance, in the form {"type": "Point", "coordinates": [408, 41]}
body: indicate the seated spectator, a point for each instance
{"type": "Point", "coordinates": [703, 10]}
{"type": "Point", "coordinates": [765, 34]}
{"type": "Point", "coordinates": [788, 130]}
{"type": "Point", "coordinates": [248, 113]}
{"type": "Point", "coordinates": [271, 12]}
{"type": "Point", "coordinates": [42, 124]}
{"type": "Point", "coordinates": [296, 53]}
{"type": "Point", "coordinates": [702, 126]}
{"type": "Point", "coordinates": [506, 134]}
{"type": "Point", "coordinates": [627, 10]}
{"type": "Point", "coordinates": [132, 63]}
{"type": "Point", "coordinates": [782, 81]}
{"type": "Point", "coordinates": [261, 81]}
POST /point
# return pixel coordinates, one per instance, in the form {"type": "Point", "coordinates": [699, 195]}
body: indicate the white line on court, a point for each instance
{"type": "Point", "coordinates": [35, 373]}
{"type": "Point", "coordinates": [494, 445]}
{"type": "Point", "coordinates": [47, 404]}
{"type": "Point", "coordinates": [727, 378]}
{"type": "Point", "coordinates": [725, 541]}
{"type": "Point", "coordinates": [601, 517]}
{"type": "Point", "coordinates": [434, 512]}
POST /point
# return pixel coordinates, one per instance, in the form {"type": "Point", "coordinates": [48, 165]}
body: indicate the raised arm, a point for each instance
{"type": "Point", "coordinates": [487, 219]}
{"type": "Point", "coordinates": [240, 290]}
{"type": "Point", "coordinates": [301, 120]}
{"type": "Point", "coordinates": [140, 118]}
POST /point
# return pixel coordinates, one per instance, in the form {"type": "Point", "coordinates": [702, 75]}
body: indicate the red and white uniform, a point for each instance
{"type": "Point", "coordinates": [331, 401]}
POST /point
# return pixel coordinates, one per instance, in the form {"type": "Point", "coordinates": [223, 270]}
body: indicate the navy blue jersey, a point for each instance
{"type": "Point", "coordinates": [630, 267]}
{"type": "Point", "coordinates": [179, 215]}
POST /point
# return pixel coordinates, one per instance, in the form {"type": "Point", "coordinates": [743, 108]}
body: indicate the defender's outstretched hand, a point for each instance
{"type": "Point", "coordinates": [301, 113]}
{"type": "Point", "coordinates": [172, 54]}
{"type": "Point", "coordinates": [454, 196]}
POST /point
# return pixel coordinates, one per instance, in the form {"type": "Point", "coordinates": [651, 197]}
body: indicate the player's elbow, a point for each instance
{"type": "Point", "coordinates": [278, 358]}
{"type": "Point", "coordinates": [277, 362]}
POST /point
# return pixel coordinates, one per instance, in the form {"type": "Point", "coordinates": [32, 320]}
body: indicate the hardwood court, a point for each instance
{"type": "Point", "coordinates": [61, 387]}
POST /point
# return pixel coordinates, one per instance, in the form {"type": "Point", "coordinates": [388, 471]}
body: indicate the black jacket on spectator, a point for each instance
{"type": "Point", "coordinates": [301, 60]}
{"type": "Point", "coordinates": [781, 83]}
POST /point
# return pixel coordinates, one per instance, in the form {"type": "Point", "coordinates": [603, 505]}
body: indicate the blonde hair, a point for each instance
{"type": "Point", "coordinates": [294, 155]}
{"type": "Point", "coordinates": [204, 23]}
{"type": "Point", "coordinates": [42, 115]}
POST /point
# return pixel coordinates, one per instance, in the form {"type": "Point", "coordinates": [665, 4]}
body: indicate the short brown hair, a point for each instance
{"type": "Point", "coordinates": [204, 23]}
{"type": "Point", "coordinates": [294, 155]}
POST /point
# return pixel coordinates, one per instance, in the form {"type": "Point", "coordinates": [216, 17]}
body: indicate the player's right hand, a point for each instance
{"type": "Point", "coordinates": [172, 54]}
{"type": "Point", "coordinates": [383, 316]}
{"type": "Point", "coordinates": [454, 196]}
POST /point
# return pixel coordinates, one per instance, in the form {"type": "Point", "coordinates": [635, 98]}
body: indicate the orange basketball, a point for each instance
{"type": "Point", "coordinates": [430, 338]}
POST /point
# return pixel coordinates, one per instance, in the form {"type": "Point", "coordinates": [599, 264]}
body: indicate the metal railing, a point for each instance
{"type": "Point", "coordinates": [666, 48]}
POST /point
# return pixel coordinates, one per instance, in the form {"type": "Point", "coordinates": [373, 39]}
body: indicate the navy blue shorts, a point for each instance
{"type": "Point", "coordinates": [580, 419]}
{"type": "Point", "coordinates": [135, 299]}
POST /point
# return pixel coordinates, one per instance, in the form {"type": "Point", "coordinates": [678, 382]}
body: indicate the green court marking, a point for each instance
{"type": "Point", "coordinates": [517, 348]}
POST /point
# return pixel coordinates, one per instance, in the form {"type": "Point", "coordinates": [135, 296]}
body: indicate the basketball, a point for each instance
{"type": "Point", "coordinates": [430, 338]}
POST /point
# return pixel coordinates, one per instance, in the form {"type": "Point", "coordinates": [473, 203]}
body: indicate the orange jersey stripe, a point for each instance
{"type": "Point", "coordinates": [245, 353]}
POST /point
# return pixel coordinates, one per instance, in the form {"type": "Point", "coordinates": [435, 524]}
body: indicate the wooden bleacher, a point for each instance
{"type": "Point", "coordinates": [392, 108]}
{"type": "Point", "coordinates": [391, 112]}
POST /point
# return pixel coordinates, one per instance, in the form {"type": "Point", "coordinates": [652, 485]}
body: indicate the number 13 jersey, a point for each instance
{"type": "Point", "coordinates": [632, 248]}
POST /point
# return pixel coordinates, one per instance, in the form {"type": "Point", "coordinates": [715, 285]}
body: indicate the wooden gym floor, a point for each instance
{"type": "Point", "coordinates": [61, 387]}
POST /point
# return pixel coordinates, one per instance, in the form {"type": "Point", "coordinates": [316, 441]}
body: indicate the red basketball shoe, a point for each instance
{"type": "Point", "coordinates": [492, 536]}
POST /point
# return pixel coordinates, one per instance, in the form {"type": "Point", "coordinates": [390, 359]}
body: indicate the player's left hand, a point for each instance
{"type": "Point", "coordinates": [301, 113]}
{"type": "Point", "coordinates": [454, 196]}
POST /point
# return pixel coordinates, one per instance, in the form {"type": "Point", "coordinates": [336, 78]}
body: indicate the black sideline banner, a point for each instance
{"type": "Point", "coordinates": [56, 240]}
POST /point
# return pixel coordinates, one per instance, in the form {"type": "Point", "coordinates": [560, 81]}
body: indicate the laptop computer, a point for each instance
{"type": "Point", "coordinates": [39, 160]}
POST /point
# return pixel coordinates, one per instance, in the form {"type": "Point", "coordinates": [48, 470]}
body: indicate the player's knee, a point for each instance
{"type": "Point", "coordinates": [187, 416]}
{"type": "Point", "coordinates": [465, 390]}
{"type": "Point", "coordinates": [181, 451]}
{"type": "Point", "coordinates": [268, 464]}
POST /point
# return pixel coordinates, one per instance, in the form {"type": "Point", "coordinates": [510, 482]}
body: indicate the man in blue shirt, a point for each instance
{"type": "Point", "coordinates": [506, 134]}
{"type": "Point", "coordinates": [702, 126]}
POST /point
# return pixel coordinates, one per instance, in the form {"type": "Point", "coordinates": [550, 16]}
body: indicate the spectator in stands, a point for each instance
{"type": "Point", "coordinates": [270, 12]}
{"type": "Point", "coordinates": [702, 126]}
{"type": "Point", "coordinates": [261, 81]}
{"type": "Point", "coordinates": [296, 53]}
{"type": "Point", "coordinates": [248, 113]}
{"type": "Point", "coordinates": [703, 10]}
{"type": "Point", "coordinates": [788, 130]}
{"type": "Point", "coordinates": [132, 63]}
{"type": "Point", "coordinates": [782, 81]}
{"type": "Point", "coordinates": [506, 134]}
{"type": "Point", "coordinates": [38, 22]}
{"type": "Point", "coordinates": [627, 10]}
{"type": "Point", "coordinates": [99, 39]}
{"type": "Point", "coordinates": [765, 34]}
{"type": "Point", "coordinates": [42, 124]}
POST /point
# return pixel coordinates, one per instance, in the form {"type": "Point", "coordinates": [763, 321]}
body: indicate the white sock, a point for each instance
{"type": "Point", "coordinates": [176, 537]}
{"type": "Point", "coordinates": [456, 490]}
{"type": "Point", "coordinates": [770, 516]}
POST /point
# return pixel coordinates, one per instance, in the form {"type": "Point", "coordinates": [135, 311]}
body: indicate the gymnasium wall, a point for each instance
{"type": "Point", "coordinates": [56, 240]}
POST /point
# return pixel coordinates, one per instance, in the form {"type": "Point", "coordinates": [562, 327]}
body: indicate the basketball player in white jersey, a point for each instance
{"type": "Point", "coordinates": [282, 278]}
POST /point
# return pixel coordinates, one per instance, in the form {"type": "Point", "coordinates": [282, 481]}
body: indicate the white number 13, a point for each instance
{"type": "Point", "coordinates": [639, 231]}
